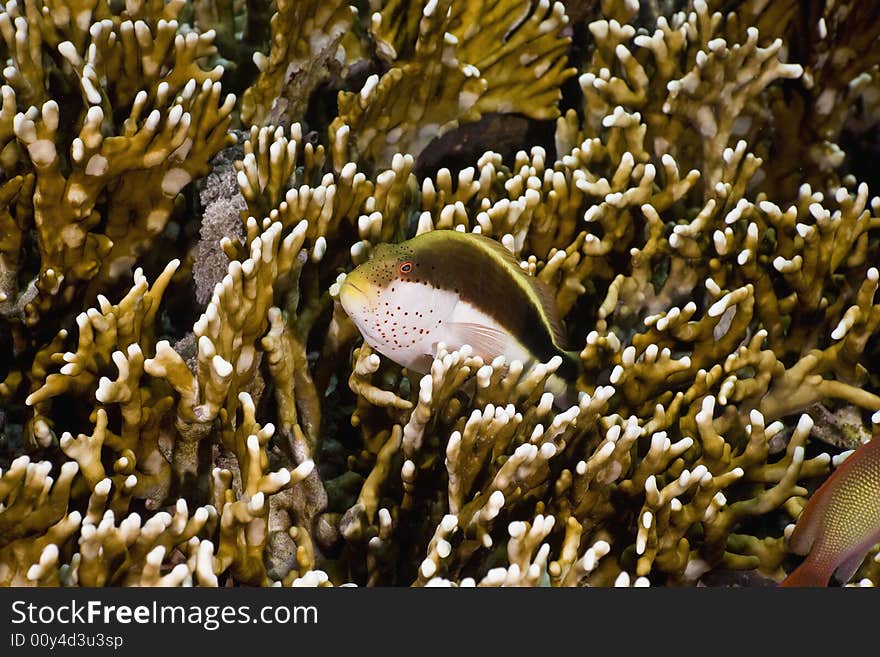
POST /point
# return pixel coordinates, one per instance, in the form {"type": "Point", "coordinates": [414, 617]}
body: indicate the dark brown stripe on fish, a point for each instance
{"type": "Point", "coordinates": [459, 262]}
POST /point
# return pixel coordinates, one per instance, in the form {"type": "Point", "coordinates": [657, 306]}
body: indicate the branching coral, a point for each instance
{"type": "Point", "coordinates": [834, 42]}
{"type": "Point", "coordinates": [455, 73]}
{"type": "Point", "coordinates": [725, 323]}
{"type": "Point", "coordinates": [306, 49]}
{"type": "Point", "coordinates": [106, 118]}
{"type": "Point", "coordinates": [104, 189]}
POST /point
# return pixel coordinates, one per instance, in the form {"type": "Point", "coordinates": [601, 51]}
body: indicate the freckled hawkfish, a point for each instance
{"type": "Point", "coordinates": [841, 522]}
{"type": "Point", "coordinates": [455, 288]}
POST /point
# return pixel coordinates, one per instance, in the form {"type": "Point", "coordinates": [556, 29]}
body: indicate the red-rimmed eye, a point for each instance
{"type": "Point", "coordinates": [406, 267]}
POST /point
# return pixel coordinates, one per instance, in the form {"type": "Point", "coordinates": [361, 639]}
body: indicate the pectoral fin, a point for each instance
{"type": "Point", "coordinates": [810, 523]}
{"type": "Point", "coordinates": [805, 532]}
{"type": "Point", "coordinates": [487, 342]}
{"type": "Point", "coordinates": [851, 564]}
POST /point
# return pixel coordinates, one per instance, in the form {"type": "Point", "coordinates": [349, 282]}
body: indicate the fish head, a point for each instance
{"type": "Point", "coordinates": [395, 303]}
{"type": "Point", "coordinates": [368, 286]}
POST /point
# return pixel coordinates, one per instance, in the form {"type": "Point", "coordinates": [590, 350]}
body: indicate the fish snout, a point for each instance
{"type": "Point", "coordinates": [352, 297]}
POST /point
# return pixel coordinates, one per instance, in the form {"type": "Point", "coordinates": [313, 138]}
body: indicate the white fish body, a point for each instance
{"type": "Point", "coordinates": [410, 337]}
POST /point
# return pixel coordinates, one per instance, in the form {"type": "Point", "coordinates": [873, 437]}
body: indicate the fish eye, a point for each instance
{"type": "Point", "coordinates": [406, 267]}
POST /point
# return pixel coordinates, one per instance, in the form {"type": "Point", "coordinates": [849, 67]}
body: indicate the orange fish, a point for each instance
{"type": "Point", "coordinates": [841, 522]}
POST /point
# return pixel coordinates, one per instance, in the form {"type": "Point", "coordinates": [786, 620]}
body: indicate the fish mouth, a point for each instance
{"type": "Point", "coordinates": [352, 296]}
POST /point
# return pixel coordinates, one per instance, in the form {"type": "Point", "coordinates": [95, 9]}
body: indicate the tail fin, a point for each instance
{"type": "Point", "coordinates": [571, 367]}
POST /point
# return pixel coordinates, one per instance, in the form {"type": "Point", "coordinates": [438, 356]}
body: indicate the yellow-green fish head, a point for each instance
{"type": "Point", "coordinates": [362, 290]}
{"type": "Point", "coordinates": [395, 306]}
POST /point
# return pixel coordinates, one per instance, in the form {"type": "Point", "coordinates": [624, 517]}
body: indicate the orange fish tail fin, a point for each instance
{"type": "Point", "coordinates": [809, 573]}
